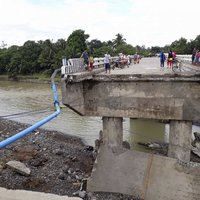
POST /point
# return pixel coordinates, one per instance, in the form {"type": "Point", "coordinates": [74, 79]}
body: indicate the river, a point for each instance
{"type": "Point", "coordinates": [37, 100]}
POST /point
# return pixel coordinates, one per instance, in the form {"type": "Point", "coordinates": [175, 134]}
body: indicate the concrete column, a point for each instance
{"type": "Point", "coordinates": [113, 131]}
{"type": "Point", "coordinates": [180, 140]}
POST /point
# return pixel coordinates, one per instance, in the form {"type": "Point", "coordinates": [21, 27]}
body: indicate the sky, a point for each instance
{"type": "Point", "coordinates": [141, 22]}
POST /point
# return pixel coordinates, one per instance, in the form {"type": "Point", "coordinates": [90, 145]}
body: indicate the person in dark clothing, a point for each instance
{"type": "Point", "coordinates": [85, 57]}
{"type": "Point", "coordinates": [162, 59]}
{"type": "Point", "coordinates": [193, 54]}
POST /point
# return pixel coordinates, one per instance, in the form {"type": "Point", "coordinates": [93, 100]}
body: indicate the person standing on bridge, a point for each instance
{"type": "Point", "coordinates": [162, 59]}
{"type": "Point", "coordinates": [170, 58]}
{"type": "Point", "coordinates": [85, 57]}
{"type": "Point", "coordinates": [107, 62]}
{"type": "Point", "coordinates": [91, 62]}
{"type": "Point", "coordinates": [193, 55]}
{"type": "Point", "coordinates": [197, 58]}
{"type": "Point", "coordinates": [136, 58]}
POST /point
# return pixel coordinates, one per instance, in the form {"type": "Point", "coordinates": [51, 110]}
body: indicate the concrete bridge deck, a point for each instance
{"type": "Point", "coordinates": [142, 90]}
{"type": "Point", "coordinates": [148, 67]}
{"type": "Point", "coordinates": [152, 66]}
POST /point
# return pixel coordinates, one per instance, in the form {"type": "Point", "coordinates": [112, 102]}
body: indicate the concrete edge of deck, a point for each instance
{"type": "Point", "coordinates": [6, 194]}
{"type": "Point", "coordinates": [132, 77]}
{"type": "Point", "coordinates": [79, 76]}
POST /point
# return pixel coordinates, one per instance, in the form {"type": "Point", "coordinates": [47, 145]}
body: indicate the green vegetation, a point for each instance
{"type": "Point", "coordinates": [43, 57]}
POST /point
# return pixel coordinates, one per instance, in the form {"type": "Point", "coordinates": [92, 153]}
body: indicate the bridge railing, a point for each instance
{"type": "Point", "coordinates": [74, 65]}
{"type": "Point", "coordinates": [185, 58]}
{"type": "Point", "coordinates": [99, 62]}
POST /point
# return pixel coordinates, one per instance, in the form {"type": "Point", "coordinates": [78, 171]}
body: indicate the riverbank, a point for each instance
{"type": "Point", "coordinates": [36, 78]}
{"type": "Point", "coordinates": [59, 164]}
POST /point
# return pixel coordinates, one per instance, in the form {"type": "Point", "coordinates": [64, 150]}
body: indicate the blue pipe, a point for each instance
{"type": "Point", "coordinates": [21, 134]}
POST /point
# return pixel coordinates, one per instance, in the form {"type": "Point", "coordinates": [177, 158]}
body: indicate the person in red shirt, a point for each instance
{"type": "Point", "coordinates": [173, 55]}
{"type": "Point", "coordinates": [170, 58]}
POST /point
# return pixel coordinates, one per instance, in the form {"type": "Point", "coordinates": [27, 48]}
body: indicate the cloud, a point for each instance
{"type": "Point", "coordinates": [141, 22]}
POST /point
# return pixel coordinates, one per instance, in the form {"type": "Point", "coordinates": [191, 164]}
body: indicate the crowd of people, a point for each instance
{"type": "Point", "coordinates": [170, 58]}
{"type": "Point", "coordinates": [125, 60]}
{"type": "Point", "coordinates": [122, 60]}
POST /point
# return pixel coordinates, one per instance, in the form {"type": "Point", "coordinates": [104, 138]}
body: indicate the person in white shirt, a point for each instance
{"type": "Point", "coordinates": [107, 62]}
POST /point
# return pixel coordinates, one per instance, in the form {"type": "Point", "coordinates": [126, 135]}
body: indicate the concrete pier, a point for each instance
{"type": "Point", "coordinates": [180, 140]}
{"type": "Point", "coordinates": [113, 131]}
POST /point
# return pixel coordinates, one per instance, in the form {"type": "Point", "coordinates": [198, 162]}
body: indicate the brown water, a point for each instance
{"type": "Point", "coordinates": [18, 97]}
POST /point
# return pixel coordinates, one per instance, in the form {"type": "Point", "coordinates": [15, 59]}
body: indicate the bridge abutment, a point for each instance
{"type": "Point", "coordinates": [180, 140]}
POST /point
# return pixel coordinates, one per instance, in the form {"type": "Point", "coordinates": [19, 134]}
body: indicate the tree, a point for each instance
{"type": "Point", "coordinates": [60, 52]}
{"type": "Point", "coordinates": [60, 44]}
{"type": "Point", "coordinates": [35, 57]}
{"type": "Point", "coordinates": [100, 52]}
{"type": "Point", "coordinates": [179, 46]}
{"type": "Point", "coordinates": [4, 60]}
{"type": "Point", "coordinates": [109, 43]}
{"type": "Point", "coordinates": [29, 52]}
{"type": "Point", "coordinates": [119, 40]}
{"type": "Point", "coordinates": [197, 42]}
{"type": "Point", "coordinates": [13, 67]}
{"type": "Point", "coordinates": [6, 57]}
{"type": "Point", "coordinates": [76, 43]}
{"type": "Point", "coordinates": [126, 49]}
{"type": "Point", "coordinates": [141, 50]}
{"type": "Point", "coordinates": [47, 55]}
{"type": "Point", "coordinates": [93, 45]}
{"type": "Point", "coordinates": [154, 50]}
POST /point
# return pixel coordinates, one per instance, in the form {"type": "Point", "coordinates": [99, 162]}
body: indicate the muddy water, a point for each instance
{"type": "Point", "coordinates": [19, 97]}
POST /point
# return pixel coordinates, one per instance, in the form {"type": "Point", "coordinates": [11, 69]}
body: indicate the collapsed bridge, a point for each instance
{"type": "Point", "coordinates": [140, 91]}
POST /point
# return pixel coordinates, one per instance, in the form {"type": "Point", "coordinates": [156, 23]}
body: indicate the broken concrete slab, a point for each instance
{"type": "Point", "coordinates": [144, 175]}
{"type": "Point", "coordinates": [169, 180]}
{"type": "Point", "coordinates": [119, 170]}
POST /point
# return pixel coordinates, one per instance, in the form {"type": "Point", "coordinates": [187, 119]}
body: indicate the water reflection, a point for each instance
{"type": "Point", "coordinates": [144, 131]}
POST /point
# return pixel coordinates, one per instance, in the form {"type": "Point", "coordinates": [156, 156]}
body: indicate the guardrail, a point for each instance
{"type": "Point", "coordinates": [185, 58]}
{"type": "Point", "coordinates": [75, 65]}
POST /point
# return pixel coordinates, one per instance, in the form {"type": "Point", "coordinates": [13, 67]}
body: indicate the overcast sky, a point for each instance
{"type": "Point", "coordinates": [141, 22]}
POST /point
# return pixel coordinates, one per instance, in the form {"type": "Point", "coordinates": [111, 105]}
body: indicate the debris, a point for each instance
{"type": "Point", "coordinates": [19, 167]}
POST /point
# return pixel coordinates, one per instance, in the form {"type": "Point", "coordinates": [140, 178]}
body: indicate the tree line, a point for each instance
{"type": "Point", "coordinates": [45, 56]}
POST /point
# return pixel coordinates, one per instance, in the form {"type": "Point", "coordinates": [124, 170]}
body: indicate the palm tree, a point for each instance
{"type": "Point", "coordinates": [119, 40]}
